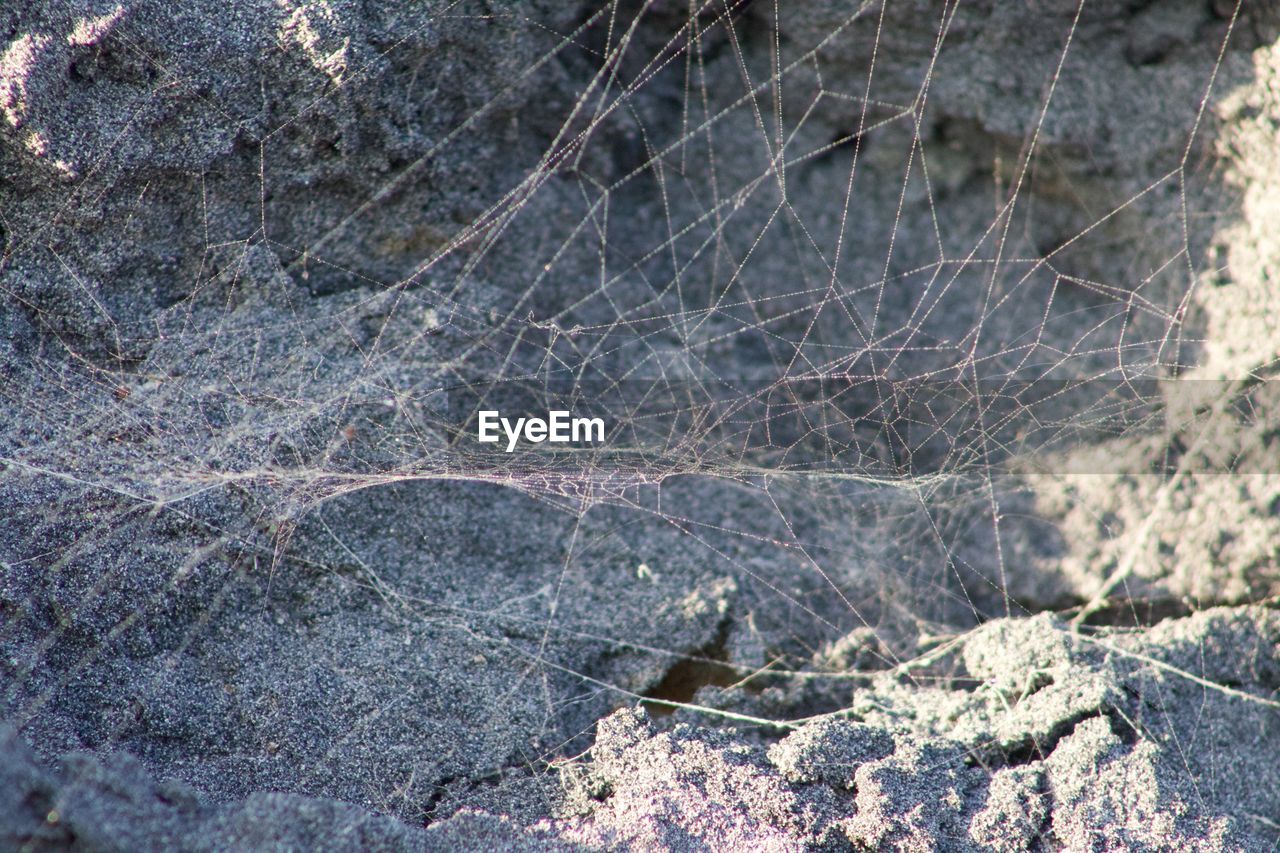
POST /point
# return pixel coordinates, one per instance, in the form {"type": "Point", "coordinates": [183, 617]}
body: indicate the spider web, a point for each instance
{"type": "Point", "coordinates": [890, 337]}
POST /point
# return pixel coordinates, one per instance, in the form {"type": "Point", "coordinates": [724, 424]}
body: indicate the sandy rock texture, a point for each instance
{"type": "Point", "coordinates": [1038, 739]}
{"type": "Point", "coordinates": [259, 260]}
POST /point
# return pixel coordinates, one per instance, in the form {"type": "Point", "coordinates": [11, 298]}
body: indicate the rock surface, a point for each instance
{"type": "Point", "coordinates": [256, 257]}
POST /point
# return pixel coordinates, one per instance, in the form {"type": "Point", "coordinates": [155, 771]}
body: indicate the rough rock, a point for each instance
{"type": "Point", "coordinates": [255, 259]}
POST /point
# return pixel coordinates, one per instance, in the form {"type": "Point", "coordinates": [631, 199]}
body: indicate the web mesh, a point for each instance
{"type": "Point", "coordinates": [893, 331]}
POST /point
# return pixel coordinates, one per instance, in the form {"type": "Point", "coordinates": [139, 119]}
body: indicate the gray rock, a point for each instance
{"type": "Point", "coordinates": [258, 261]}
